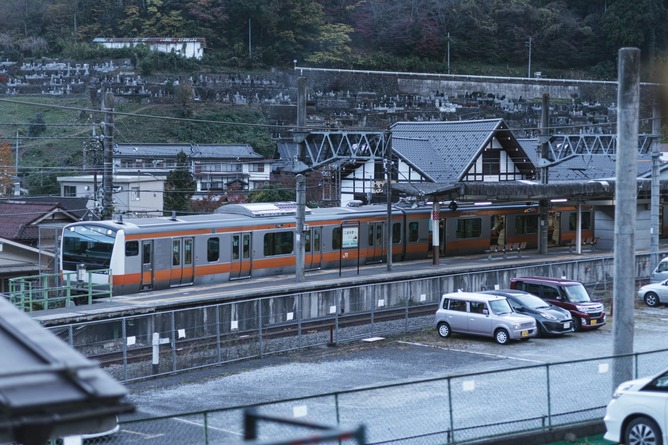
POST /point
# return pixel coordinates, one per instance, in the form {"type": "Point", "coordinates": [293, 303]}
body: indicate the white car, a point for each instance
{"type": "Point", "coordinates": [654, 294]}
{"type": "Point", "coordinates": [638, 412]}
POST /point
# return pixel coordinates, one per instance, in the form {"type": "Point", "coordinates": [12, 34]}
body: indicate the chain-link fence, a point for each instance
{"type": "Point", "coordinates": [147, 345]}
{"type": "Point", "coordinates": [142, 346]}
{"type": "Point", "coordinates": [443, 410]}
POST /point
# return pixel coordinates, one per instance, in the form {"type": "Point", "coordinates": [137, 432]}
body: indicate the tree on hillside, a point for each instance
{"type": "Point", "coordinates": [638, 23]}
{"type": "Point", "coordinates": [179, 186]}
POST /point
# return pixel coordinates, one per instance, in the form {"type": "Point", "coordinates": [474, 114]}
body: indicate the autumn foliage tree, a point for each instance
{"type": "Point", "coordinates": [7, 171]}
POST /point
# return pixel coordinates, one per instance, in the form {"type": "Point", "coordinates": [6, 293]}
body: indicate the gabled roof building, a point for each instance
{"type": "Point", "coordinates": [454, 151]}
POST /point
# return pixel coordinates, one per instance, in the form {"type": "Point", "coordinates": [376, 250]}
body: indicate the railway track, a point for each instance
{"type": "Point", "coordinates": [143, 352]}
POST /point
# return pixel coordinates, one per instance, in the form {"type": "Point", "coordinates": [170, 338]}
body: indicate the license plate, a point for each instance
{"type": "Point", "coordinates": [593, 322]}
{"type": "Point", "coordinates": [567, 325]}
{"type": "Point", "coordinates": [525, 333]}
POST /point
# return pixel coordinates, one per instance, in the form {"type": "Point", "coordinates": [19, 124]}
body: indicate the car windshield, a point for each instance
{"type": "Point", "coordinates": [531, 301]}
{"type": "Point", "coordinates": [660, 383]}
{"type": "Point", "coordinates": [577, 293]}
{"type": "Point", "coordinates": [500, 306]}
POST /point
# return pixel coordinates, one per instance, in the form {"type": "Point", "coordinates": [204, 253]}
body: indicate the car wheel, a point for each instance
{"type": "Point", "coordinates": [642, 431]}
{"type": "Point", "coordinates": [501, 336]}
{"type": "Point", "coordinates": [651, 299]}
{"type": "Point", "coordinates": [577, 324]}
{"type": "Point", "coordinates": [444, 330]}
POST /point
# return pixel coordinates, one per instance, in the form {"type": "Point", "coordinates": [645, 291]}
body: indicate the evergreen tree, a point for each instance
{"type": "Point", "coordinates": [179, 187]}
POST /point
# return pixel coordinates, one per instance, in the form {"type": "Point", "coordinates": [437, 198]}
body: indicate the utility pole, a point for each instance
{"type": "Point", "coordinates": [17, 183]}
{"type": "Point", "coordinates": [628, 98]}
{"type": "Point", "coordinates": [108, 145]}
{"type": "Point", "coordinates": [301, 182]}
{"type": "Point", "coordinates": [528, 44]}
{"type": "Point", "coordinates": [448, 53]}
{"type": "Point", "coordinates": [655, 229]}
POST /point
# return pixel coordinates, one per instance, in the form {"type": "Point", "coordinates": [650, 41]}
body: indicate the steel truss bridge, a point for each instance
{"type": "Point", "coordinates": [353, 148]}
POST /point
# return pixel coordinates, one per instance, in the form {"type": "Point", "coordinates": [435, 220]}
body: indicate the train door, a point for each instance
{"type": "Point", "coordinates": [375, 240]}
{"type": "Point", "coordinates": [182, 272]}
{"type": "Point", "coordinates": [240, 263]}
{"type": "Point", "coordinates": [147, 265]}
{"type": "Point", "coordinates": [313, 248]}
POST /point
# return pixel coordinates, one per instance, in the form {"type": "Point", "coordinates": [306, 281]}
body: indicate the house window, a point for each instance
{"type": "Point", "coordinates": [231, 167]}
{"type": "Point", "coordinates": [491, 162]}
{"type": "Point", "coordinates": [70, 190]}
{"type": "Point", "coordinates": [135, 193]}
{"type": "Point", "coordinates": [257, 168]}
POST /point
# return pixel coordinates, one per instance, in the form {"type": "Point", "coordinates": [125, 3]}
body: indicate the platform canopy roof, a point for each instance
{"type": "Point", "coordinates": [590, 190]}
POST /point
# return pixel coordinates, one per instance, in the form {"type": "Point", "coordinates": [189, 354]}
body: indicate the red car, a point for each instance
{"type": "Point", "coordinates": [568, 294]}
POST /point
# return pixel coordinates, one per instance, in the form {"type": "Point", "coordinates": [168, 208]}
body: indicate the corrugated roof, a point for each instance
{"type": "Point", "coordinates": [20, 218]}
{"type": "Point", "coordinates": [584, 167]}
{"type": "Point", "coordinates": [195, 151]}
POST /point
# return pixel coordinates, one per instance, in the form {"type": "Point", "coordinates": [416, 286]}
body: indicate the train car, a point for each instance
{"type": "Point", "coordinates": [241, 241]}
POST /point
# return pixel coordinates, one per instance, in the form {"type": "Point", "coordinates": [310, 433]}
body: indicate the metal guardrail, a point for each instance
{"type": "Point", "coordinates": [51, 291]}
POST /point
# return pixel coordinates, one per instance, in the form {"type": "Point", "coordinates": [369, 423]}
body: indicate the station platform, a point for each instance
{"type": "Point", "coordinates": [198, 295]}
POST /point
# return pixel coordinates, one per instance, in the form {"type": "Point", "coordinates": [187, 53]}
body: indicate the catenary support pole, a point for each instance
{"type": "Point", "coordinates": [628, 98]}
{"type": "Point", "coordinates": [388, 170]}
{"type": "Point", "coordinates": [543, 148]}
{"type": "Point", "coordinates": [300, 228]}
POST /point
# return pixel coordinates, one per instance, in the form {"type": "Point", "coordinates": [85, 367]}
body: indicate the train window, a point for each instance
{"type": "Point", "coordinates": [371, 238]}
{"type": "Point", "coordinates": [396, 233]}
{"type": "Point", "coordinates": [413, 234]}
{"type": "Point", "coordinates": [525, 224]}
{"type": "Point", "coordinates": [246, 243]}
{"type": "Point", "coordinates": [176, 252]}
{"type": "Point", "coordinates": [278, 243]}
{"type": "Point", "coordinates": [336, 237]}
{"type": "Point", "coordinates": [132, 248]}
{"type": "Point", "coordinates": [573, 221]}
{"type": "Point", "coordinates": [469, 228]}
{"type": "Point", "coordinates": [146, 259]}
{"type": "Point", "coordinates": [213, 249]}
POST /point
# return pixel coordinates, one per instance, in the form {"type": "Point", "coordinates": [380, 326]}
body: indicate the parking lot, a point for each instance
{"type": "Point", "coordinates": [422, 354]}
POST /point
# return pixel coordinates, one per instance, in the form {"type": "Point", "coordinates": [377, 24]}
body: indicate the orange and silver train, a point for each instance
{"type": "Point", "coordinates": [242, 241]}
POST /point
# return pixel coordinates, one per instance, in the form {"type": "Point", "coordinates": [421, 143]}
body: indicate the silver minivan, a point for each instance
{"type": "Point", "coordinates": [482, 314]}
{"type": "Point", "coordinates": [660, 272]}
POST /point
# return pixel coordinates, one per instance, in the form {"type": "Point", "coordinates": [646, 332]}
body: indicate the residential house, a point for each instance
{"type": "Point", "coordinates": [29, 232]}
{"type": "Point", "coordinates": [138, 194]}
{"type": "Point", "coordinates": [216, 168]}
{"type": "Point", "coordinates": [34, 224]}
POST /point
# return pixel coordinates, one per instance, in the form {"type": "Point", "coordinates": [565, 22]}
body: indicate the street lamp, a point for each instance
{"type": "Point", "coordinates": [528, 44]}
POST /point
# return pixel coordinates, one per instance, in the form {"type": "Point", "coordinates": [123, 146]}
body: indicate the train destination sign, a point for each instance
{"type": "Point", "coordinates": [350, 237]}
